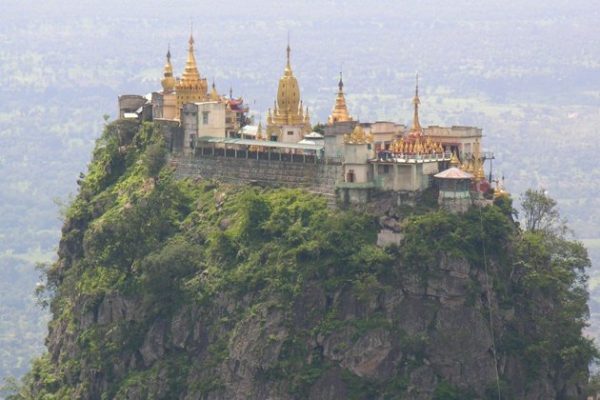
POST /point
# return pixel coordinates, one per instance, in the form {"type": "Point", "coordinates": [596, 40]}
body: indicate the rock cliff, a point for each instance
{"type": "Point", "coordinates": [180, 289]}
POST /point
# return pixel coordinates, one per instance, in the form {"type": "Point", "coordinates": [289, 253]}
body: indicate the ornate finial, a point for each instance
{"type": "Point", "coordinates": [230, 92]}
{"type": "Point", "coordinates": [340, 110]}
{"type": "Point", "coordinates": [191, 76]}
{"type": "Point", "coordinates": [417, 86]}
{"type": "Point", "coordinates": [288, 49]}
{"type": "Point", "coordinates": [191, 41]}
{"type": "Point", "coordinates": [168, 82]}
{"type": "Point", "coordinates": [416, 101]}
{"type": "Point", "coordinates": [214, 96]}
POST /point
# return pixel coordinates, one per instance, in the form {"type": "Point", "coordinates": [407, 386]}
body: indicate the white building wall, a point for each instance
{"type": "Point", "coordinates": [211, 119]}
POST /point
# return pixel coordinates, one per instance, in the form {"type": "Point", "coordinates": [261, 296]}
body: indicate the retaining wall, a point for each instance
{"type": "Point", "coordinates": [314, 177]}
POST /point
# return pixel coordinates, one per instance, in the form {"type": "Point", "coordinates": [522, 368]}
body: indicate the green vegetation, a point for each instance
{"type": "Point", "coordinates": [60, 75]}
{"type": "Point", "coordinates": [446, 391]}
{"type": "Point", "coordinates": [171, 248]}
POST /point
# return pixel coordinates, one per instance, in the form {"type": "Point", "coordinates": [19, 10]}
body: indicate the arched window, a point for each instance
{"type": "Point", "coordinates": [350, 176]}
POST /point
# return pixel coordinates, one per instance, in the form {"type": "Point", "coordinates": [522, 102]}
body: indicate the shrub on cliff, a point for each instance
{"type": "Point", "coordinates": [165, 249]}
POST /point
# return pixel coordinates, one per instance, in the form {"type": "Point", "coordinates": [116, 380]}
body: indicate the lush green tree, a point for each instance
{"type": "Point", "coordinates": [319, 128]}
{"type": "Point", "coordinates": [155, 158]}
{"type": "Point", "coordinates": [540, 212]}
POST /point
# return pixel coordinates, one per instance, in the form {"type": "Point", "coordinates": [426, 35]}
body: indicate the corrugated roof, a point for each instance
{"type": "Point", "coordinates": [454, 173]}
{"type": "Point", "coordinates": [264, 143]}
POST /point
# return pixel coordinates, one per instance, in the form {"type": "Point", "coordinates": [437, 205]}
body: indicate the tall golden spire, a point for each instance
{"type": "Point", "coordinates": [478, 171]}
{"type": "Point", "coordinates": [191, 74]}
{"type": "Point", "coordinates": [340, 110]}
{"type": "Point", "coordinates": [191, 88]}
{"type": "Point", "coordinates": [288, 66]}
{"type": "Point", "coordinates": [416, 127]}
{"type": "Point", "coordinates": [286, 110]}
{"type": "Point", "coordinates": [259, 133]}
{"type": "Point", "coordinates": [168, 82]}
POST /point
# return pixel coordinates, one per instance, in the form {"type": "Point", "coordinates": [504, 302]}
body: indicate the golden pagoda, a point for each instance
{"type": "Point", "coordinates": [340, 110]}
{"type": "Point", "coordinates": [166, 107]}
{"type": "Point", "coordinates": [168, 82]}
{"type": "Point", "coordinates": [358, 136]}
{"type": "Point", "coordinates": [191, 87]}
{"type": "Point", "coordinates": [454, 161]}
{"type": "Point", "coordinates": [477, 166]}
{"type": "Point", "coordinates": [214, 95]}
{"type": "Point", "coordinates": [467, 165]}
{"type": "Point", "coordinates": [499, 190]}
{"type": "Point", "coordinates": [259, 134]}
{"type": "Point", "coordinates": [288, 108]}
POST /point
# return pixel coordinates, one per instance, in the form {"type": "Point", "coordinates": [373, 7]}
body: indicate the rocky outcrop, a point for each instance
{"type": "Point", "coordinates": [424, 332]}
{"type": "Point", "coordinates": [194, 290]}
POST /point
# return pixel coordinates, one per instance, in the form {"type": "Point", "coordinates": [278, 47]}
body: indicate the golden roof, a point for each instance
{"type": "Point", "coordinates": [454, 161]}
{"type": "Point", "coordinates": [190, 74]}
{"type": "Point", "coordinates": [499, 190]}
{"type": "Point", "coordinates": [416, 146]}
{"type": "Point", "coordinates": [358, 136]}
{"type": "Point", "coordinates": [168, 82]}
{"type": "Point", "coordinates": [340, 110]}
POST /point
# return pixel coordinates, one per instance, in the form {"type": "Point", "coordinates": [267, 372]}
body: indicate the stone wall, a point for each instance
{"type": "Point", "coordinates": [314, 177]}
{"type": "Point", "coordinates": [130, 103]}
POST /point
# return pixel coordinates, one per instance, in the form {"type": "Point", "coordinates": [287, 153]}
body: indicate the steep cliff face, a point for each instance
{"type": "Point", "coordinates": [182, 289]}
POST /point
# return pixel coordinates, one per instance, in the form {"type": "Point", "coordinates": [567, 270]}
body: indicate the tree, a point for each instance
{"type": "Point", "coordinates": [319, 128]}
{"type": "Point", "coordinates": [540, 212]}
{"type": "Point", "coordinates": [155, 158]}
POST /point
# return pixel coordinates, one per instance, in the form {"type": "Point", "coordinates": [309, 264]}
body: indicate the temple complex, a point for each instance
{"type": "Point", "coordinates": [349, 159]}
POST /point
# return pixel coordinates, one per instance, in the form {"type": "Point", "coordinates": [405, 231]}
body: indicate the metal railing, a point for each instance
{"type": "Point", "coordinates": [387, 156]}
{"type": "Point", "coordinates": [200, 151]}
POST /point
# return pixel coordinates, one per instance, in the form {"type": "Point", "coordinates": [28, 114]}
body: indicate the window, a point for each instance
{"type": "Point", "coordinates": [205, 117]}
{"type": "Point", "coordinates": [290, 133]}
{"type": "Point", "coordinates": [350, 176]}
